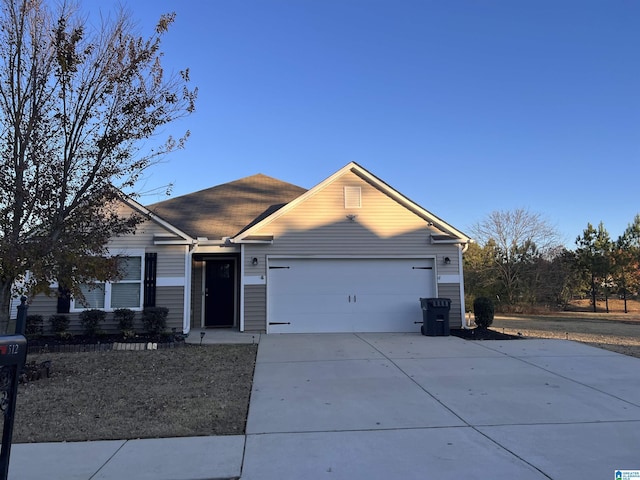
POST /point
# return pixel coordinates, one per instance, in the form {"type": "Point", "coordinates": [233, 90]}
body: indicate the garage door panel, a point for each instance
{"type": "Point", "coordinates": [307, 302]}
{"type": "Point", "coordinates": [323, 277]}
{"type": "Point", "coordinates": [342, 295]}
{"type": "Point", "coordinates": [388, 313]}
{"type": "Point", "coordinates": [314, 323]}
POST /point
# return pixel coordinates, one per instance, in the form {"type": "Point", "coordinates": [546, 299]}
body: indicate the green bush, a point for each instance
{"type": "Point", "coordinates": [34, 325]}
{"type": "Point", "coordinates": [125, 318]}
{"type": "Point", "coordinates": [483, 311]}
{"type": "Point", "coordinates": [91, 320]}
{"type": "Point", "coordinates": [154, 320]}
{"type": "Point", "coordinates": [60, 325]}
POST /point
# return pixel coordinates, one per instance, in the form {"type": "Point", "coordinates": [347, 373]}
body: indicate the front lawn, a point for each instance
{"type": "Point", "coordinates": [189, 391]}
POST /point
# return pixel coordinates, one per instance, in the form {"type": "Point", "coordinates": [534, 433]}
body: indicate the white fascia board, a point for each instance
{"type": "Point", "coordinates": [207, 242]}
{"type": "Point", "coordinates": [259, 242]}
{"type": "Point", "coordinates": [455, 241]}
{"type": "Point", "coordinates": [172, 242]}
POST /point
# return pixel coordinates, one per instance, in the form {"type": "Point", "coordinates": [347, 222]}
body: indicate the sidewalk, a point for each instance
{"type": "Point", "coordinates": [154, 459]}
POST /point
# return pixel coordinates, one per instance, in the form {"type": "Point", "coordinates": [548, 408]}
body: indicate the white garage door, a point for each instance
{"type": "Point", "coordinates": [347, 295]}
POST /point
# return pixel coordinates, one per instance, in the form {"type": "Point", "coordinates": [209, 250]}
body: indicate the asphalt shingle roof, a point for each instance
{"type": "Point", "coordinates": [225, 210]}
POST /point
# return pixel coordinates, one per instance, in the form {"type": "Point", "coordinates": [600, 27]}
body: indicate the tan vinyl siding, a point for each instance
{"type": "Point", "coordinates": [319, 226]}
{"type": "Point", "coordinates": [45, 306]}
{"type": "Point", "coordinates": [452, 291]}
{"type": "Point", "coordinates": [171, 260]}
{"type": "Point", "coordinates": [173, 299]}
{"type": "Point", "coordinates": [255, 308]}
{"type": "Point", "coordinates": [169, 297]}
{"type": "Point", "coordinates": [450, 251]}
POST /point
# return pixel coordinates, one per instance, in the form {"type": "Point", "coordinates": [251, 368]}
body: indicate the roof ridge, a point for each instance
{"type": "Point", "coordinates": [222, 185]}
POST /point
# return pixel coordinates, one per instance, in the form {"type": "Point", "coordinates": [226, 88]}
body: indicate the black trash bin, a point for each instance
{"type": "Point", "coordinates": [435, 316]}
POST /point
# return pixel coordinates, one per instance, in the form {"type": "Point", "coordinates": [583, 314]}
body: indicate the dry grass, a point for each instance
{"type": "Point", "coordinates": [615, 306]}
{"type": "Point", "coordinates": [190, 391]}
{"type": "Point", "coordinates": [617, 332]}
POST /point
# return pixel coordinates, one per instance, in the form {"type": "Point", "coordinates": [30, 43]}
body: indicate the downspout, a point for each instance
{"type": "Point", "coordinates": [462, 249]}
{"type": "Point", "coordinates": [186, 322]}
{"type": "Point", "coordinates": [242, 252]}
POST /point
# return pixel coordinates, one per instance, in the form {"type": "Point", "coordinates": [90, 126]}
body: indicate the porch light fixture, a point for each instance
{"type": "Point", "coordinates": [447, 260]}
{"type": "Point", "coordinates": [254, 261]}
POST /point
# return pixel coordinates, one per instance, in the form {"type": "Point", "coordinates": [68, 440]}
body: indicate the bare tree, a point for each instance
{"type": "Point", "coordinates": [519, 237]}
{"type": "Point", "coordinates": [74, 104]}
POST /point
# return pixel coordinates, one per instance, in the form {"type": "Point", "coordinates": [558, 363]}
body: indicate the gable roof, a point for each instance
{"type": "Point", "coordinates": [228, 209]}
{"type": "Point", "coordinates": [171, 229]}
{"type": "Point", "coordinates": [451, 234]}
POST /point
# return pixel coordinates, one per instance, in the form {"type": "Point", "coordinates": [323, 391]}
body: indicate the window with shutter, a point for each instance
{"type": "Point", "coordinates": [126, 292]}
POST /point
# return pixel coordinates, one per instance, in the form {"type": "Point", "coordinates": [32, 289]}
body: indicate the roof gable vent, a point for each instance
{"type": "Point", "coordinates": [352, 197]}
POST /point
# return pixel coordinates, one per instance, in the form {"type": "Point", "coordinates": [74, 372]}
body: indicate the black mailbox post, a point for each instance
{"type": "Point", "coordinates": [13, 355]}
{"type": "Point", "coordinates": [435, 316]}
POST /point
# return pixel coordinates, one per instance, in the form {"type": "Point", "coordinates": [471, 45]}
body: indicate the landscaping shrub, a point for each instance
{"type": "Point", "coordinates": [34, 325]}
{"type": "Point", "coordinates": [125, 318]}
{"type": "Point", "coordinates": [91, 320]}
{"type": "Point", "coordinates": [154, 320]}
{"type": "Point", "coordinates": [483, 311]}
{"type": "Point", "coordinates": [60, 325]}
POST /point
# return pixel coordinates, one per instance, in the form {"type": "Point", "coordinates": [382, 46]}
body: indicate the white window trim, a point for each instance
{"type": "Point", "coordinates": [107, 285]}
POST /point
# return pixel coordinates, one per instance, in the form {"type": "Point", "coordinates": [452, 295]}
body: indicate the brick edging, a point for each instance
{"type": "Point", "coordinates": [103, 347]}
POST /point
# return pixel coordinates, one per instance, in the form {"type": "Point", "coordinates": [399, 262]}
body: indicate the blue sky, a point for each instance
{"type": "Point", "coordinates": [466, 107]}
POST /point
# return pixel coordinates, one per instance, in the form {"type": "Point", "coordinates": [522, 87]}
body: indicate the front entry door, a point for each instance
{"type": "Point", "coordinates": [219, 296]}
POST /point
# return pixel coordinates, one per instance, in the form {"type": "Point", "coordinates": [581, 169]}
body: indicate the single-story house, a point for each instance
{"type": "Point", "coordinates": [259, 254]}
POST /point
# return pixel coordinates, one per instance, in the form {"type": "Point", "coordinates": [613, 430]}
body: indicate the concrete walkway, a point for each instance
{"type": "Point", "coordinates": [380, 406]}
{"type": "Point", "coordinates": [212, 336]}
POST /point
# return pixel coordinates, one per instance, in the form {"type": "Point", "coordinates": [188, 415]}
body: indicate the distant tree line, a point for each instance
{"type": "Point", "coordinates": [518, 261]}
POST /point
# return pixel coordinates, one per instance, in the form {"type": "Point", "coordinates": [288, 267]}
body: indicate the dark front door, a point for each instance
{"type": "Point", "coordinates": [220, 283]}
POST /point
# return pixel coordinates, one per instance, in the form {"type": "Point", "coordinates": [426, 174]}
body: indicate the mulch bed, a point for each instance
{"type": "Point", "coordinates": [482, 334]}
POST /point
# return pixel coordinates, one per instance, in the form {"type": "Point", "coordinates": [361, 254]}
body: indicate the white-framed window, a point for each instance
{"type": "Point", "coordinates": [126, 292]}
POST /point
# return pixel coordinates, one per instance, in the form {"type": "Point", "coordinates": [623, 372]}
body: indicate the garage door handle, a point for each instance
{"type": "Point", "coordinates": [354, 299]}
{"type": "Point", "coordinates": [349, 298]}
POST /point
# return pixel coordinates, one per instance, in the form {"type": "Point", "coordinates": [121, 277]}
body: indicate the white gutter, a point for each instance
{"type": "Point", "coordinates": [173, 242]}
{"type": "Point", "coordinates": [206, 242]}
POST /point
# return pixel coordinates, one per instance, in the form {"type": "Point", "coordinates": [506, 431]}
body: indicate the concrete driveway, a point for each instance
{"type": "Point", "coordinates": [380, 406]}
{"type": "Point", "coordinates": [395, 406]}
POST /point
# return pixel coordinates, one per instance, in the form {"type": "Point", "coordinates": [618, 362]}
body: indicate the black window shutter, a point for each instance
{"type": "Point", "coordinates": [150, 265]}
{"type": "Point", "coordinates": [64, 300]}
